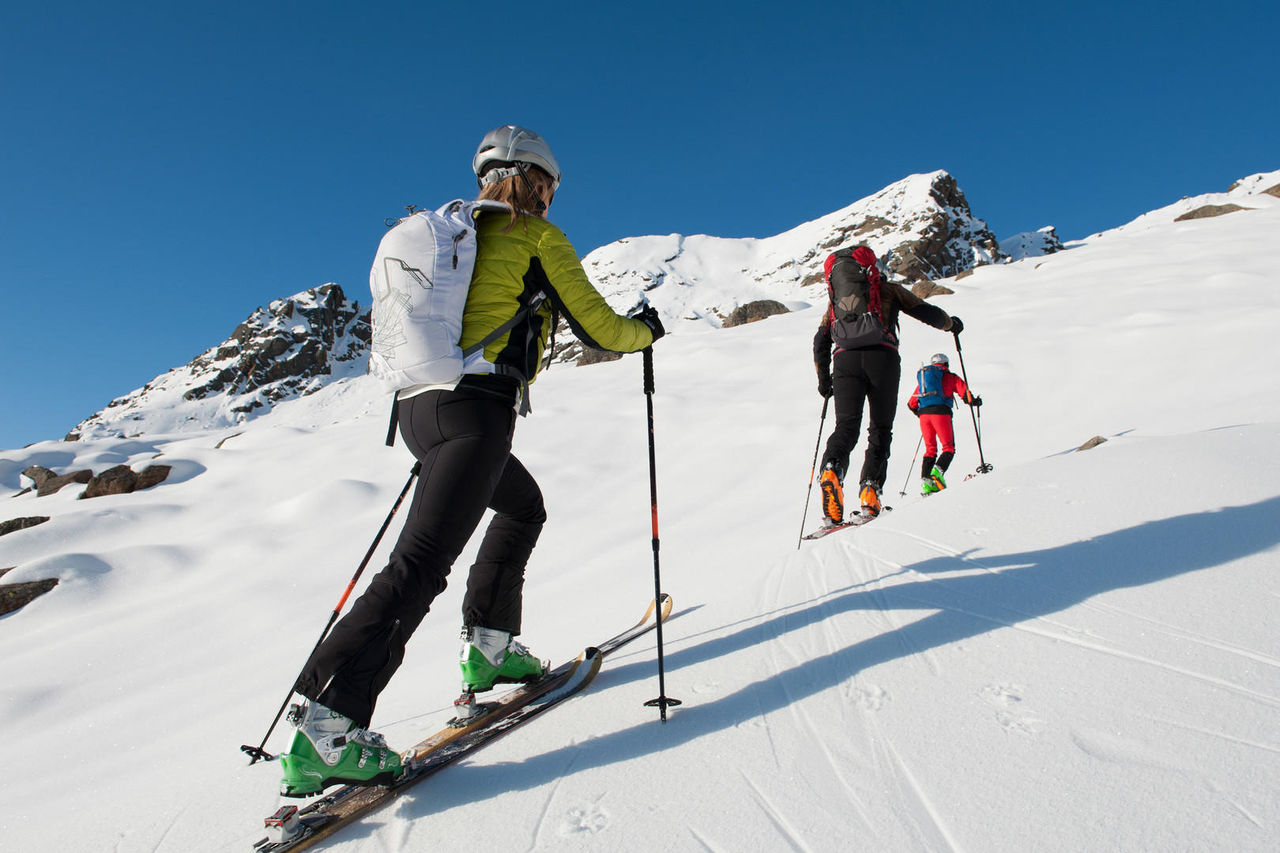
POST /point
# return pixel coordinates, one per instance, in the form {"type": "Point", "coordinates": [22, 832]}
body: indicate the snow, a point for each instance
{"type": "Point", "coordinates": [1076, 651]}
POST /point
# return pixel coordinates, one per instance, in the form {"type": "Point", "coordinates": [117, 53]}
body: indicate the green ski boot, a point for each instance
{"type": "Point", "coordinates": [937, 479]}
{"type": "Point", "coordinates": [490, 657]}
{"type": "Point", "coordinates": [330, 749]}
{"type": "Point", "coordinates": [928, 486]}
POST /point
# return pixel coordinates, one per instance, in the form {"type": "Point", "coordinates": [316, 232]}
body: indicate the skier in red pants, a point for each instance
{"type": "Point", "coordinates": [932, 400]}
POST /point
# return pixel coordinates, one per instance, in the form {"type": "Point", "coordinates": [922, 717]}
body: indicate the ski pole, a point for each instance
{"type": "Point", "coordinates": [919, 444]}
{"type": "Point", "coordinates": [259, 752]}
{"type": "Point", "coordinates": [663, 701]}
{"type": "Point", "coordinates": [983, 467]}
{"type": "Point", "coordinates": [813, 469]}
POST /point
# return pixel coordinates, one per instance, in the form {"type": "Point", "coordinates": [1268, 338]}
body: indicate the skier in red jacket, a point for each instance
{"type": "Point", "coordinates": [931, 402]}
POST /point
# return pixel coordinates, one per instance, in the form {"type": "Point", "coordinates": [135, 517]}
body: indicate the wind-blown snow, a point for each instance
{"type": "Point", "coordinates": [1074, 652]}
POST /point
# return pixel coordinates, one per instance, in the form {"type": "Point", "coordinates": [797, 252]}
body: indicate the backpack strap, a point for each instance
{"type": "Point", "coordinates": [394, 421]}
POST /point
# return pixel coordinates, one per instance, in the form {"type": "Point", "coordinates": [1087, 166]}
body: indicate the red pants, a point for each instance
{"type": "Point", "coordinates": [936, 429]}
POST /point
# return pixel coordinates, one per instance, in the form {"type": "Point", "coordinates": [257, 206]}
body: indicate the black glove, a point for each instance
{"type": "Point", "coordinates": [975, 401]}
{"type": "Point", "coordinates": [956, 326]}
{"type": "Point", "coordinates": [650, 318]}
{"type": "Point", "coordinates": [824, 385]}
{"type": "Point", "coordinates": [915, 410]}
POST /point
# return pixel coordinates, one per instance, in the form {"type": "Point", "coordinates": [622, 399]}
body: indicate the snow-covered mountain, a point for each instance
{"type": "Point", "coordinates": [921, 225]}
{"type": "Point", "coordinates": [289, 349]}
{"type": "Point", "coordinates": [1032, 244]}
{"type": "Point", "coordinates": [1075, 651]}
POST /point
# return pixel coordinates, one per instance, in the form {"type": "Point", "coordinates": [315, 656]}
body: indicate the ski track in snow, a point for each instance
{"type": "Point", "coordinates": [778, 817]}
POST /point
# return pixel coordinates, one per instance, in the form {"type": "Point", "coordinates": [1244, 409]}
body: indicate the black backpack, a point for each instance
{"type": "Point", "coordinates": [853, 285]}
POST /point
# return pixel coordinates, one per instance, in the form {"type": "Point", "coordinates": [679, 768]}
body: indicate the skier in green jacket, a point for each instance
{"type": "Point", "coordinates": [462, 435]}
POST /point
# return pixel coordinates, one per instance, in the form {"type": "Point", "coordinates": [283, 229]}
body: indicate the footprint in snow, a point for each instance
{"type": "Point", "coordinates": [588, 819]}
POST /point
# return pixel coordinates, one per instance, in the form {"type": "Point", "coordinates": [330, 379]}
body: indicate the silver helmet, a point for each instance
{"type": "Point", "coordinates": [940, 358]}
{"type": "Point", "coordinates": [503, 148]}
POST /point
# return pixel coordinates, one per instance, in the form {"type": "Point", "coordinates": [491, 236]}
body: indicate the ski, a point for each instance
{"type": "Point", "coordinates": [856, 519]}
{"type": "Point", "coordinates": [293, 828]}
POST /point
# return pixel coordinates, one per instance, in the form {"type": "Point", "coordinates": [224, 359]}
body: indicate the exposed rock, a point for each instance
{"type": "Point", "coordinates": [925, 288]}
{"type": "Point", "coordinates": [1032, 244]}
{"type": "Point", "coordinates": [1275, 191]}
{"type": "Point", "coordinates": [38, 474]}
{"type": "Point", "coordinates": [52, 484]}
{"type": "Point", "coordinates": [1209, 210]}
{"type": "Point", "coordinates": [121, 480]}
{"type": "Point", "coordinates": [15, 524]}
{"type": "Point", "coordinates": [1091, 443]}
{"type": "Point", "coordinates": [280, 352]}
{"type": "Point", "coordinates": [14, 596]}
{"type": "Point", "coordinates": [753, 311]}
{"type": "Point", "coordinates": [591, 355]}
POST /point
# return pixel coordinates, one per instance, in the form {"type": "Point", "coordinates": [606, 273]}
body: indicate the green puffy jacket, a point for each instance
{"type": "Point", "coordinates": [512, 267]}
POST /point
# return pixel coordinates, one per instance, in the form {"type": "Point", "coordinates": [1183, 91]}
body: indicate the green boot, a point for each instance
{"type": "Point", "coordinates": [937, 478]}
{"type": "Point", "coordinates": [928, 486]}
{"type": "Point", "coordinates": [330, 749]}
{"type": "Point", "coordinates": [490, 656]}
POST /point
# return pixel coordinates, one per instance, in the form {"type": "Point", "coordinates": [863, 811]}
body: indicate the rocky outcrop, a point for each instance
{"type": "Point", "coordinates": [48, 483]}
{"type": "Point", "coordinates": [1032, 244]}
{"type": "Point", "coordinates": [1209, 211]}
{"type": "Point", "coordinates": [118, 480]}
{"type": "Point", "coordinates": [13, 525]}
{"type": "Point", "coordinates": [121, 480]}
{"type": "Point", "coordinates": [753, 311]}
{"type": "Point", "coordinates": [14, 596]}
{"type": "Point", "coordinates": [279, 348]}
{"type": "Point", "coordinates": [288, 349]}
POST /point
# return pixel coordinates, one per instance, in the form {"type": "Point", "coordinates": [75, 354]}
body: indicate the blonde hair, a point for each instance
{"type": "Point", "coordinates": [516, 193]}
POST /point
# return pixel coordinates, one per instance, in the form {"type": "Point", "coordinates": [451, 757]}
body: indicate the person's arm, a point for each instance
{"type": "Point", "coordinates": [822, 355]}
{"type": "Point", "coordinates": [586, 311]}
{"type": "Point", "coordinates": [919, 309]}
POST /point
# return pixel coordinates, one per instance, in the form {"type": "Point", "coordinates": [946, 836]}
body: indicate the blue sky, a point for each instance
{"type": "Point", "coordinates": [166, 168]}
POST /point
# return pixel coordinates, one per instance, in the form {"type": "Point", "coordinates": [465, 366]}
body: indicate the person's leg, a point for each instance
{"type": "Point", "coordinates": [496, 582]}
{"type": "Point", "coordinates": [947, 436]}
{"type": "Point", "coordinates": [849, 388]}
{"type": "Point", "coordinates": [883, 371]}
{"type": "Point", "coordinates": [464, 443]}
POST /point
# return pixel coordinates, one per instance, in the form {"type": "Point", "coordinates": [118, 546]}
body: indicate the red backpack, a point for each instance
{"type": "Point", "coordinates": [853, 284]}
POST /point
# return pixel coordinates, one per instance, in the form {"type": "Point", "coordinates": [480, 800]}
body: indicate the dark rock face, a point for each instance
{"type": "Point", "coordinates": [753, 311]}
{"type": "Point", "coordinates": [48, 483]}
{"type": "Point", "coordinates": [15, 524]}
{"type": "Point", "coordinates": [1208, 211]}
{"type": "Point", "coordinates": [277, 353]}
{"type": "Point", "coordinates": [14, 596]}
{"type": "Point", "coordinates": [278, 348]}
{"type": "Point", "coordinates": [121, 480]}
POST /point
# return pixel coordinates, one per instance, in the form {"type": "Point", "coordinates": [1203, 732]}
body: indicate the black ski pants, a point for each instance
{"type": "Point", "coordinates": [858, 377]}
{"type": "Point", "coordinates": [463, 440]}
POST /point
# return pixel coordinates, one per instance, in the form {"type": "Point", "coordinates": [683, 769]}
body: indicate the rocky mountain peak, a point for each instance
{"type": "Point", "coordinates": [287, 349]}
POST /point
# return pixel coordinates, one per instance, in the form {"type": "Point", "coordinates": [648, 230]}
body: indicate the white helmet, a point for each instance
{"type": "Point", "coordinates": [940, 358]}
{"type": "Point", "coordinates": [505, 149]}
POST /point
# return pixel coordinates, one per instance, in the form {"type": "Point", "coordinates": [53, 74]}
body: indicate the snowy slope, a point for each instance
{"type": "Point", "coordinates": [1073, 652]}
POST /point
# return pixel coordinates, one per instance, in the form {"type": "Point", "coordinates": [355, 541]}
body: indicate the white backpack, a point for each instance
{"type": "Point", "coordinates": [419, 281]}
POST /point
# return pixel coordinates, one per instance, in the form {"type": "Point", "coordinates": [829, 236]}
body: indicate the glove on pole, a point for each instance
{"type": "Point", "coordinates": [258, 752]}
